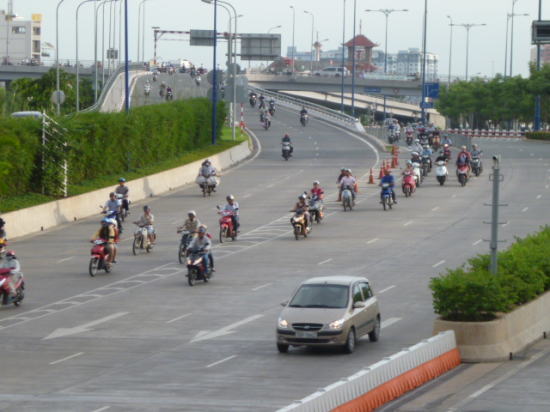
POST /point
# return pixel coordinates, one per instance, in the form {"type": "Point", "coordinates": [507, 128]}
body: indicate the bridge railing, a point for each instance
{"type": "Point", "coordinates": [319, 111]}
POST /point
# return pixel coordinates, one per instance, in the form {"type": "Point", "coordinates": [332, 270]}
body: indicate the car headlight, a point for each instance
{"type": "Point", "coordinates": [283, 324]}
{"type": "Point", "coordinates": [337, 324]}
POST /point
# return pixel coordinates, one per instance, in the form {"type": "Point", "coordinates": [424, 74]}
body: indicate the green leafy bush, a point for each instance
{"type": "Point", "coordinates": [538, 135]}
{"type": "Point", "coordinates": [471, 293]}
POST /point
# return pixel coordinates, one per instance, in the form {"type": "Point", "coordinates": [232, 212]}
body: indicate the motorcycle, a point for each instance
{"type": "Point", "coordinates": [441, 172]}
{"type": "Point", "coordinates": [186, 237]}
{"type": "Point", "coordinates": [417, 173]}
{"type": "Point", "coordinates": [409, 138]}
{"type": "Point", "coordinates": [147, 90]}
{"type": "Point", "coordinates": [286, 150]}
{"type": "Point", "coordinates": [298, 222]}
{"type": "Point", "coordinates": [141, 240]}
{"type": "Point", "coordinates": [426, 165]}
{"type": "Point", "coordinates": [304, 119]}
{"type": "Point", "coordinates": [271, 108]}
{"type": "Point", "coordinates": [477, 167]}
{"type": "Point", "coordinates": [252, 101]}
{"type": "Point", "coordinates": [207, 184]}
{"type": "Point", "coordinates": [462, 174]}
{"type": "Point", "coordinates": [409, 184]}
{"type": "Point", "coordinates": [99, 258]}
{"type": "Point", "coordinates": [5, 290]}
{"type": "Point", "coordinates": [161, 92]}
{"type": "Point", "coordinates": [198, 81]}
{"type": "Point", "coordinates": [155, 76]}
{"type": "Point", "coordinates": [347, 198]}
{"type": "Point", "coordinates": [387, 199]}
{"type": "Point", "coordinates": [316, 209]}
{"type": "Point", "coordinates": [196, 268]}
{"type": "Point", "coordinates": [124, 205]}
{"type": "Point", "coordinates": [267, 123]}
{"type": "Point", "coordinates": [227, 230]}
{"type": "Point", "coordinates": [169, 95]}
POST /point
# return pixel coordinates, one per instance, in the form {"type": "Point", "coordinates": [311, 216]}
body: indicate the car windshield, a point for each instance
{"type": "Point", "coordinates": [321, 296]}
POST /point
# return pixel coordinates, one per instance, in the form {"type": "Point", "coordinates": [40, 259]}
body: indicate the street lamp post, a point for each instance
{"type": "Point", "coordinates": [450, 48]}
{"type": "Point", "coordinates": [58, 92]}
{"type": "Point", "coordinates": [353, 60]}
{"type": "Point", "coordinates": [538, 108]}
{"type": "Point", "coordinates": [273, 28]}
{"type": "Point", "coordinates": [424, 47]}
{"type": "Point", "coordinates": [343, 57]}
{"type": "Point", "coordinates": [311, 44]}
{"type": "Point", "coordinates": [293, 38]}
{"type": "Point", "coordinates": [76, 55]}
{"type": "Point", "coordinates": [386, 13]}
{"type": "Point", "coordinates": [506, 45]}
{"type": "Point", "coordinates": [468, 26]}
{"type": "Point", "coordinates": [512, 36]}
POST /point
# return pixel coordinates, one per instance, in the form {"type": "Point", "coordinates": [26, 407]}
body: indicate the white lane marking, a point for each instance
{"type": "Point", "coordinates": [506, 224]}
{"type": "Point", "coordinates": [246, 196]}
{"type": "Point", "coordinates": [389, 322]}
{"type": "Point", "coordinates": [539, 196]}
{"type": "Point", "coordinates": [265, 285]}
{"type": "Point", "coordinates": [62, 332]}
{"type": "Point", "coordinates": [104, 408]}
{"type": "Point", "coordinates": [221, 361]}
{"type": "Point", "coordinates": [386, 289]}
{"type": "Point", "coordinates": [372, 241]}
{"type": "Point", "coordinates": [65, 259]}
{"type": "Point", "coordinates": [438, 263]}
{"type": "Point", "coordinates": [270, 185]}
{"type": "Point", "coordinates": [407, 223]}
{"type": "Point", "coordinates": [325, 261]}
{"type": "Point", "coordinates": [501, 378]}
{"type": "Point", "coordinates": [477, 242]}
{"type": "Point", "coordinates": [226, 330]}
{"type": "Point", "coordinates": [66, 358]}
{"type": "Point", "coordinates": [179, 318]}
{"type": "Point", "coordinates": [525, 209]}
{"type": "Point", "coordinates": [435, 209]}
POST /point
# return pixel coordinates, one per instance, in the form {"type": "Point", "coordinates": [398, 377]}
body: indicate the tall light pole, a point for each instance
{"type": "Point", "coordinates": [58, 92]}
{"type": "Point", "coordinates": [353, 60]}
{"type": "Point", "coordinates": [506, 46]}
{"type": "Point", "coordinates": [215, 71]}
{"type": "Point", "coordinates": [126, 59]}
{"type": "Point", "coordinates": [450, 48]}
{"type": "Point", "coordinates": [424, 47]}
{"type": "Point", "coordinates": [468, 26]}
{"type": "Point", "coordinates": [343, 57]}
{"type": "Point", "coordinates": [386, 13]}
{"type": "Point", "coordinates": [273, 28]}
{"type": "Point", "coordinates": [538, 108]}
{"type": "Point", "coordinates": [512, 38]}
{"type": "Point", "coordinates": [293, 38]}
{"type": "Point", "coordinates": [311, 44]}
{"type": "Point", "coordinates": [76, 55]}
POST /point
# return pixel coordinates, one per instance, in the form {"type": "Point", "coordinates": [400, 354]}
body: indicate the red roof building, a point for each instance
{"type": "Point", "coordinates": [363, 53]}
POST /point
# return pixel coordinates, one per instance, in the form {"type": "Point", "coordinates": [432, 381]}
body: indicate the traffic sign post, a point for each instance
{"type": "Point", "coordinates": [372, 89]}
{"type": "Point", "coordinates": [431, 90]}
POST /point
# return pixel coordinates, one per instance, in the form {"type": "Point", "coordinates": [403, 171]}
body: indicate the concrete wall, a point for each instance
{"type": "Point", "coordinates": [35, 219]}
{"type": "Point", "coordinates": [499, 339]}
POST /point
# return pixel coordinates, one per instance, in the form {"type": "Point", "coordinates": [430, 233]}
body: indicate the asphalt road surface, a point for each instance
{"type": "Point", "coordinates": [140, 339]}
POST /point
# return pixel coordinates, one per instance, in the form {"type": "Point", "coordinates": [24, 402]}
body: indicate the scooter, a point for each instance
{"type": "Point", "coordinates": [196, 269]}
{"type": "Point", "coordinates": [316, 209]}
{"type": "Point", "coordinates": [99, 259]}
{"type": "Point", "coordinates": [169, 95]}
{"type": "Point", "coordinates": [409, 184]}
{"type": "Point", "coordinates": [441, 172]}
{"type": "Point", "coordinates": [141, 240]}
{"type": "Point", "coordinates": [304, 119]}
{"type": "Point", "coordinates": [462, 174]}
{"type": "Point", "coordinates": [252, 101]}
{"type": "Point", "coordinates": [417, 173]}
{"type": "Point", "coordinates": [347, 198]}
{"type": "Point", "coordinates": [477, 167]}
{"type": "Point", "coordinates": [267, 123]}
{"type": "Point", "coordinates": [298, 222]}
{"type": "Point", "coordinates": [387, 199]}
{"type": "Point", "coordinates": [5, 290]}
{"type": "Point", "coordinates": [186, 237]}
{"type": "Point", "coordinates": [426, 165]}
{"type": "Point", "coordinates": [286, 150]}
{"type": "Point", "coordinates": [226, 225]}
{"type": "Point", "coordinates": [409, 138]}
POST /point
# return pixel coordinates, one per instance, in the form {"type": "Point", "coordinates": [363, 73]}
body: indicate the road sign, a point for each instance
{"type": "Point", "coordinates": [260, 46]}
{"type": "Point", "coordinates": [201, 37]}
{"type": "Point", "coordinates": [372, 90]}
{"type": "Point", "coordinates": [427, 105]}
{"type": "Point", "coordinates": [540, 32]}
{"type": "Point", "coordinates": [58, 96]}
{"type": "Point", "coordinates": [431, 90]}
{"type": "Point", "coordinates": [112, 54]}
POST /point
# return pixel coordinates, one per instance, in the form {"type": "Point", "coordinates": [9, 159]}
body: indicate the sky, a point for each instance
{"type": "Point", "coordinates": [487, 43]}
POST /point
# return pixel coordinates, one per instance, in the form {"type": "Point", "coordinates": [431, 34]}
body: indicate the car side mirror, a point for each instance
{"type": "Point", "coordinates": [358, 305]}
{"type": "Point", "coordinates": [284, 303]}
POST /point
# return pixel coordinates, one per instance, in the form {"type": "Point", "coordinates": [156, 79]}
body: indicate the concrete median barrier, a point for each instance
{"type": "Point", "coordinates": [38, 218]}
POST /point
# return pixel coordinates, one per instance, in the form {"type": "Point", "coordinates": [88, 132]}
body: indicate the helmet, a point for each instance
{"type": "Point", "coordinates": [146, 208]}
{"type": "Point", "coordinates": [416, 141]}
{"type": "Point", "coordinates": [286, 135]}
{"type": "Point", "coordinates": [426, 146]}
{"type": "Point", "coordinates": [348, 170]}
{"type": "Point", "coordinates": [474, 146]}
{"type": "Point", "coordinates": [414, 154]}
{"type": "Point", "coordinates": [409, 163]}
{"type": "Point", "coordinates": [445, 145]}
{"type": "Point", "coordinates": [302, 197]}
{"type": "Point", "coordinates": [463, 147]}
{"type": "Point", "coordinates": [316, 182]}
{"type": "Point", "coordinates": [192, 213]}
{"type": "Point", "coordinates": [343, 169]}
{"type": "Point", "coordinates": [230, 197]}
{"type": "Point", "coordinates": [121, 180]}
{"type": "Point", "coordinates": [202, 229]}
{"type": "Point", "coordinates": [112, 194]}
{"type": "Point", "coordinates": [10, 253]}
{"type": "Point", "coordinates": [387, 172]}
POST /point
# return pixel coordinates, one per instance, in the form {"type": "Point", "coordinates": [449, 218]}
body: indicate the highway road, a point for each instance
{"type": "Point", "coordinates": [141, 339]}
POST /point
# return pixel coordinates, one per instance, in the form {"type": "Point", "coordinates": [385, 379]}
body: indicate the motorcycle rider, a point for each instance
{"type": "Point", "coordinates": [416, 146]}
{"type": "Point", "coordinates": [303, 112]}
{"type": "Point", "coordinates": [262, 102]}
{"type": "Point", "coordinates": [147, 87]}
{"type": "Point", "coordinates": [317, 190]}
{"type": "Point", "coordinates": [286, 139]}
{"type": "Point", "coordinates": [447, 151]}
{"type": "Point", "coordinates": [108, 233]}
{"type": "Point", "coordinates": [207, 174]}
{"type": "Point", "coordinates": [442, 157]}
{"type": "Point", "coordinates": [146, 221]}
{"type": "Point", "coordinates": [271, 104]}
{"type": "Point", "coordinates": [302, 205]}
{"type": "Point", "coordinates": [338, 180]}
{"type": "Point", "coordinates": [389, 179]}
{"type": "Point", "coordinates": [8, 260]}
{"type": "Point", "coordinates": [446, 140]}
{"type": "Point", "coordinates": [415, 158]}
{"type": "Point", "coordinates": [202, 243]}
{"type": "Point", "coordinates": [233, 206]}
{"type": "Point", "coordinates": [475, 151]}
{"type": "Point", "coordinates": [2, 229]}
{"type": "Point", "coordinates": [169, 93]}
{"type": "Point", "coordinates": [113, 205]}
{"type": "Point", "coordinates": [123, 190]}
{"type": "Point", "coordinates": [349, 181]}
{"type": "Point", "coordinates": [191, 224]}
{"type": "Point", "coordinates": [463, 157]}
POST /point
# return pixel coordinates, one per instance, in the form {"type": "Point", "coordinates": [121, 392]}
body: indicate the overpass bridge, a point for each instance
{"type": "Point", "coordinates": [9, 73]}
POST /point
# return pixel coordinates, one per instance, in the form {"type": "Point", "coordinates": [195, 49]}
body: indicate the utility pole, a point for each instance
{"type": "Point", "coordinates": [496, 177]}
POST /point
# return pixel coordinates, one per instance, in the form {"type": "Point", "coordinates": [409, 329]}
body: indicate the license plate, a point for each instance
{"type": "Point", "coordinates": [306, 335]}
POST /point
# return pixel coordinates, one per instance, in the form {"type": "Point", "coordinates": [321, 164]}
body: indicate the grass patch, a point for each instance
{"type": "Point", "coordinates": [33, 199]}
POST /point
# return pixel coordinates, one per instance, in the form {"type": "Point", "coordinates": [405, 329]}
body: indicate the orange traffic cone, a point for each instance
{"type": "Point", "coordinates": [371, 177]}
{"type": "Point", "coordinates": [395, 162]}
{"type": "Point", "coordinates": [381, 174]}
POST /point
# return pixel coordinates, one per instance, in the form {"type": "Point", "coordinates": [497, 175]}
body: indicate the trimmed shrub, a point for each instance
{"type": "Point", "coordinates": [471, 293]}
{"type": "Point", "coordinates": [538, 135]}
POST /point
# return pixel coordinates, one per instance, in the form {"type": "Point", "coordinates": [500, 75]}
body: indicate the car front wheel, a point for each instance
{"type": "Point", "coordinates": [349, 347]}
{"type": "Point", "coordinates": [282, 348]}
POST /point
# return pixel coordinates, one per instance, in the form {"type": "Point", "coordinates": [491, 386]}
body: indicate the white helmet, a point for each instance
{"type": "Point", "coordinates": [316, 182]}
{"type": "Point", "coordinates": [192, 213]}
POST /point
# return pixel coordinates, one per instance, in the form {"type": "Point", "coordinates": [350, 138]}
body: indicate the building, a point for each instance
{"type": "Point", "coordinates": [363, 54]}
{"type": "Point", "coordinates": [407, 63]}
{"type": "Point", "coordinates": [544, 54]}
{"type": "Point", "coordinates": [20, 39]}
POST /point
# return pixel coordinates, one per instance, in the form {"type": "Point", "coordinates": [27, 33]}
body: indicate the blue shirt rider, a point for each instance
{"type": "Point", "coordinates": [388, 178]}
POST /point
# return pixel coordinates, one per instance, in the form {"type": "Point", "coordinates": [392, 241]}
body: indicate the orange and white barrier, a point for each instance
{"type": "Point", "coordinates": [386, 380]}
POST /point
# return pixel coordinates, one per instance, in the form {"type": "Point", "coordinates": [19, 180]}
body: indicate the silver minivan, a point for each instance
{"type": "Point", "coordinates": [332, 72]}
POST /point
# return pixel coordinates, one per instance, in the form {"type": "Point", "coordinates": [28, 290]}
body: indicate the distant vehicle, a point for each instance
{"type": "Point", "coordinates": [36, 115]}
{"type": "Point", "coordinates": [329, 311]}
{"type": "Point", "coordinates": [332, 72]}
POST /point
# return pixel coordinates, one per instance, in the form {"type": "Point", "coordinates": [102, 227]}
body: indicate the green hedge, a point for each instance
{"type": "Point", "coordinates": [538, 135]}
{"type": "Point", "coordinates": [105, 143]}
{"type": "Point", "coordinates": [471, 293]}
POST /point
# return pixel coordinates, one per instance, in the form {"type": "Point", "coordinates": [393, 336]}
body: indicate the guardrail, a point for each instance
{"type": "Point", "coordinates": [386, 379]}
{"type": "Point", "coordinates": [320, 111]}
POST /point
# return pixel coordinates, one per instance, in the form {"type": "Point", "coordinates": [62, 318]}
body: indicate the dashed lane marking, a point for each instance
{"type": "Point", "coordinates": [221, 361]}
{"type": "Point", "coordinates": [477, 242]}
{"type": "Point", "coordinates": [438, 263]}
{"type": "Point", "coordinates": [75, 355]}
{"type": "Point", "coordinates": [325, 261]}
{"type": "Point", "coordinates": [386, 289]}
{"type": "Point", "coordinates": [265, 285]}
{"type": "Point", "coordinates": [370, 242]}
